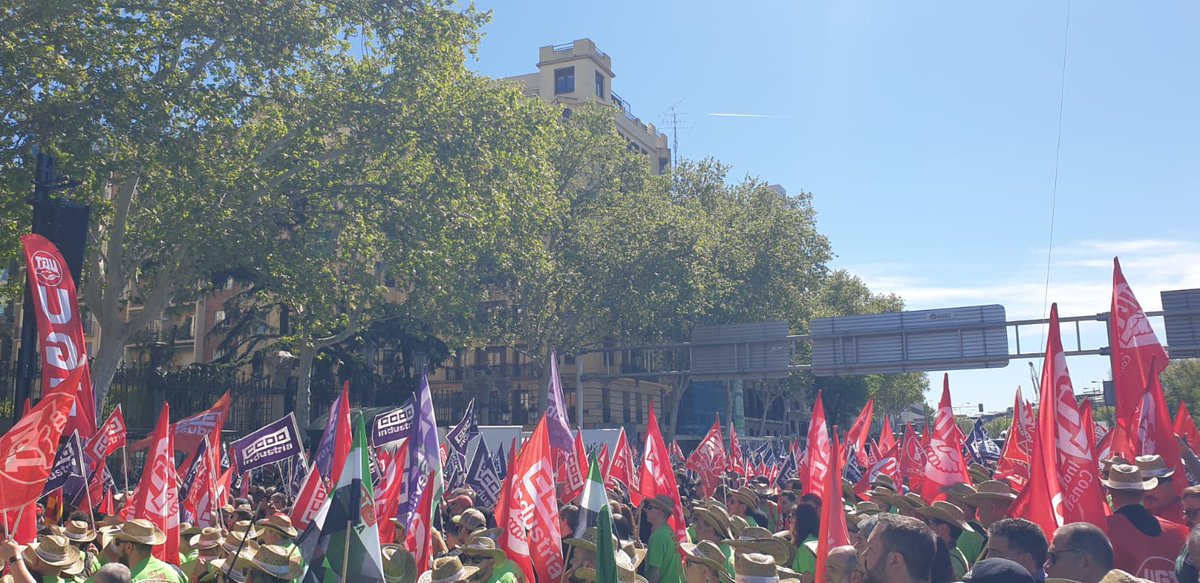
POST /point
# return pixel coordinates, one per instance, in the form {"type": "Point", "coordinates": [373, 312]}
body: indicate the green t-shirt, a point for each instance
{"type": "Point", "coordinates": [151, 568]}
{"type": "Point", "coordinates": [505, 572]}
{"type": "Point", "coordinates": [971, 544]}
{"type": "Point", "coordinates": [805, 561]}
{"type": "Point", "coordinates": [751, 522]}
{"type": "Point", "coordinates": [959, 563]}
{"type": "Point", "coordinates": [728, 552]}
{"type": "Point", "coordinates": [663, 554]}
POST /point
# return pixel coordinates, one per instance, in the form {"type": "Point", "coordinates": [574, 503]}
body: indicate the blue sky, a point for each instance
{"type": "Point", "coordinates": [927, 131]}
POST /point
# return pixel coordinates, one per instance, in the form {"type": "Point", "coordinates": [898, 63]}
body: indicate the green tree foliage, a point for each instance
{"type": "Point", "coordinates": [1181, 384]}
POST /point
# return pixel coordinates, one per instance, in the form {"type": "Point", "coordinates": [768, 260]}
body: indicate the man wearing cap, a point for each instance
{"type": "Point", "coordinates": [663, 562]}
{"type": "Point", "coordinates": [464, 526]}
{"type": "Point", "coordinates": [992, 500]}
{"type": "Point", "coordinates": [712, 524]}
{"type": "Point", "coordinates": [744, 502]}
{"type": "Point", "coordinates": [971, 542]}
{"type": "Point", "coordinates": [206, 546]}
{"type": "Point", "coordinates": [494, 567]}
{"type": "Point", "coordinates": [273, 564]}
{"type": "Point", "coordinates": [1162, 501]}
{"type": "Point", "coordinates": [135, 541]}
{"type": "Point", "coordinates": [948, 523]}
{"type": "Point", "coordinates": [1148, 544]}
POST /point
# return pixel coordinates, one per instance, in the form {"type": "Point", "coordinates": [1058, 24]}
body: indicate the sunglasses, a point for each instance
{"type": "Point", "coordinates": [1053, 555]}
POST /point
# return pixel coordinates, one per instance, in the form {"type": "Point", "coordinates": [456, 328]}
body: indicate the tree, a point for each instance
{"type": "Point", "coordinates": [1181, 383]}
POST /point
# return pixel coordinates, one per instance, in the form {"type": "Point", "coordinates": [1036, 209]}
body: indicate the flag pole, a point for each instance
{"type": "Point", "coordinates": [566, 564]}
{"type": "Point", "coordinates": [282, 480]}
{"type": "Point", "coordinates": [91, 508]}
{"type": "Point", "coordinates": [125, 467]}
{"type": "Point", "coordinates": [6, 534]}
{"type": "Point", "coordinates": [346, 549]}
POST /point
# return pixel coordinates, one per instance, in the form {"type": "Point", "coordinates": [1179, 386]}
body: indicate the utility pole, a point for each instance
{"type": "Point", "coordinates": [45, 222]}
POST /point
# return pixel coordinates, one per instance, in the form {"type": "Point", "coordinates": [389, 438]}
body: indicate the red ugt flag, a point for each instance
{"type": "Point", "coordinates": [944, 464]}
{"type": "Point", "coordinates": [886, 439]}
{"type": "Point", "coordinates": [817, 453]}
{"type": "Point", "coordinates": [1185, 426]}
{"type": "Point", "coordinates": [530, 514]}
{"type": "Point", "coordinates": [419, 540]}
{"type": "Point", "coordinates": [736, 461]}
{"type": "Point", "coordinates": [708, 459]}
{"type": "Point", "coordinates": [833, 531]}
{"type": "Point", "coordinates": [857, 436]}
{"type": "Point", "coordinates": [621, 469]}
{"type": "Point", "coordinates": [1013, 466]}
{"type": "Point", "coordinates": [27, 450]}
{"type": "Point", "coordinates": [157, 496]}
{"type": "Point", "coordinates": [1136, 353]}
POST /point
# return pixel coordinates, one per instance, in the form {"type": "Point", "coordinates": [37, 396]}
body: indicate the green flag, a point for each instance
{"type": "Point", "coordinates": [606, 554]}
{"type": "Point", "coordinates": [594, 499]}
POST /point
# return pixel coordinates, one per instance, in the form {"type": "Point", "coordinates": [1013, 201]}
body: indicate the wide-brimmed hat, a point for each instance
{"type": "Point", "coordinates": [717, 518]}
{"type": "Point", "coordinates": [280, 523]}
{"type": "Point", "coordinates": [946, 512]}
{"type": "Point", "coordinates": [881, 495]}
{"type": "Point", "coordinates": [483, 546]}
{"type": "Point", "coordinates": [979, 473]}
{"type": "Point", "coordinates": [626, 571]}
{"type": "Point", "coordinates": [139, 530]}
{"type": "Point", "coordinates": [757, 566]}
{"type": "Point", "coordinates": [79, 531]}
{"type": "Point", "coordinates": [208, 538]}
{"type": "Point", "coordinates": [587, 542]}
{"type": "Point", "coordinates": [1127, 477]}
{"type": "Point", "coordinates": [958, 492]}
{"type": "Point", "coordinates": [471, 519]}
{"type": "Point", "coordinates": [245, 526]}
{"type": "Point", "coordinates": [233, 541]}
{"type": "Point", "coordinates": [1153, 466]}
{"type": "Point", "coordinates": [756, 539]}
{"type": "Point", "coordinates": [911, 501]}
{"type": "Point", "coordinates": [992, 490]}
{"type": "Point", "coordinates": [56, 551]}
{"type": "Point", "coordinates": [885, 481]}
{"type": "Point", "coordinates": [447, 570]}
{"type": "Point", "coordinates": [236, 571]}
{"type": "Point", "coordinates": [662, 502]}
{"type": "Point", "coordinates": [746, 496]}
{"type": "Point", "coordinates": [399, 565]}
{"type": "Point", "coordinates": [737, 524]}
{"type": "Point", "coordinates": [189, 529]}
{"type": "Point", "coordinates": [708, 554]}
{"type": "Point", "coordinates": [1112, 461]}
{"type": "Point", "coordinates": [276, 561]}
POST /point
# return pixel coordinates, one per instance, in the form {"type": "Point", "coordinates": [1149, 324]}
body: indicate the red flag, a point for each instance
{"type": "Point", "coordinates": [856, 438]}
{"type": "Point", "coordinates": [28, 448]}
{"type": "Point", "coordinates": [108, 439]}
{"type": "Point", "coordinates": [817, 453]}
{"type": "Point", "coordinates": [570, 471]}
{"type": "Point", "coordinates": [335, 443]}
{"type": "Point", "coordinates": [887, 439]}
{"type": "Point", "coordinates": [419, 540]}
{"type": "Point", "coordinates": [737, 463]}
{"type": "Point", "coordinates": [1154, 433]}
{"type": "Point", "coordinates": [156, 497]}
{"type": "Point", "coordinates": [531, 514]}
{"type": "Point", "coordinates": [387, 496]}
{"type": "Point", "coordinates": [1185, 426]}
{"type": "Point", "coordinates": [658, 478]}
{"type": "Point", "coordinates": [602, 460]}
{"type": "Point", "coordinates": [677, 452]}
{"type": "Point", "coordinates": [885, 465]}
{"type": "Point", "coordinates": [60, 330]}
{"type": "Point", "coordinates": [621, 469]}
{"type": "Point", "coordinates": [1136, 353]}
{"type": "Point", "coordinates": [944, 464]}
{"type": "Point", "coordinates": [1063, 484]}
{"type": "Point", "coordinates": [912, 458]}
{"type": "Point", "coordinates": [708, 459]}
{"type": "Point", "coordinates": [833, 531]}
{"type": "Point", "coordinates": [202, 495]}
{"type": "Point", "coordinates": [22, 525]}
{"type": "Point", "coordinates": [308, 503]}
{"type": "Point", "coordinates": [1013, 466]}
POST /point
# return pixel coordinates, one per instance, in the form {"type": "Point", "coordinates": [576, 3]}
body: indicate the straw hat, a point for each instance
{"type": "Point", "coordinates": [588, 541]}
{"type": "Point", "coordinates": [79, 531]}
{"type": "Point", "coordinates": [244, 526]}
{"type": "Point", "coordinates": [708, 554]}
{"type": "Point", "coordinates": [746, 496]}
{"type": "Point", "coordinates": [911, 501]}
{"type": "Point", "coordinates": [399, 565]}
{"type": "Point", "coordinates": [755, 565]}
{"type": "Point", "coordinates": [880, 494]}
{"type": "Point", "coordinates": [483, 546]}
{"type": "Point", "coordinates": [885, 481]}
{"type": "Point", "coordinates": [662, 502]}
{"type": "Point", "coordinates": [959, 491]}
{"type": "Point", "coordinates": [189, 529]}
{"type": "Point", "coordinates": [447, 570]}
{"type": "Point", "coordinates": [755, 539]}
{"type": "Point", "coordinates": [866, 509]}
{"type": "Point", "coordinates": [1127, 477]}
{"type": "Point", "coordinates": [979, 472]}
{"type": "Point", "coordinates": [222, 566]}
{"type": "Point", "coordinates": [471, 519]}
{"type": "Point", "coordinates": [280, 523]}
{"type": "Point", "coordinates": [276, 561]}
{"type": "Point", "coordinates": [1153, 466]}
{"type": "Point", "coordinates": [992, 490]}
{"type": "Point", "coordinates": [208, 538]}
{"type": "Point", "coordinates": [737, 524]}
{"type": "Point", "coordinates": [139, 530]}
{"type": "Point", "coordinates": [848, 490]}
{"type": "Point", "coordinates": [56, 551]}
{"type": "Point", "coordinates": [717, 518]}
{"type": "Point", "coordinates": [946, 512]}
{"type": "Point", "coordinates": [237, 540]}
{"type": "Point", "coordinates": [626, 571]}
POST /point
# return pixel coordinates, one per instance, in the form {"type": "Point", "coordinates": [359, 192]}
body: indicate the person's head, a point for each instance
{"type": "Point", "coordinates": [1126, 486]}
{"type": "Point", "coordinates": [703, 563]}
{"type": "Point", "coordinates": [482, 553]}
{"type": "Point", "coordinates": [1079, 551]}
{"type": "Point", "coordinates": [135, 540]}
{"type": "Point", "coordinates": [1020, 541]}
{"type": "Point", "coordinates": [278, 502]}
{"type": "Point", "coordinates": [463, 526]}
{"type": "Point", "coordinates": [786, 501]}
{"type": "Point", "coordinates": [658, 510]}
{"type": "Point", "coordinates": [568, 517]}
{"type": "Point", "coordinates": [806, 521]}
{"type": "Point", "coordinates": [865, 526]}
{"type": "Point", "coordinates": [997, 570]}
{"type": "Point", "coordinates": [947, 520]}
{"type": "Point", "coordinates": [112, 573]}
{"type": "Point", "coordinates": [1193, 547]}
{"type": "Point", "coordinates": [900, 549]}
{"type": "Point", "coordinates": [992, 501]}
{"type": "Point", "coordinates": [1191, 506]}
{"type": "Point", "coordinates": [812, 500]}
{"type": "Point", "coordinates": [841, 565]}
{"type": "Point", "coordinates": [130, 553]}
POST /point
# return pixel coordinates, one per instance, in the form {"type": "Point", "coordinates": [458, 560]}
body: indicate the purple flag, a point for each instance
{"type": "Point", "coordinates": [190, 477]}
{"type": "Point", "coordinates": [68, 462]}
{"type": "Point", "coordinates": [424, 455]}
{"type": "Point", "coordinates": [482, 476]}
{"type": "Point", "coordinates": [323, 457]}
{"type": "Point", "coordinates": [393, 425]}
{"type": "Point", "coordinates": [276, 442]}
{"type": "Point", "coordinates": [460, 435]}
{"type": "Point", "coordinates": [561, 437]}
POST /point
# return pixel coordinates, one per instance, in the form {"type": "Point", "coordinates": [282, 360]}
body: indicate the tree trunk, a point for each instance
{"type": "Point", "coordinates": [681, 387]}
{"type": "Point", "coordinates": [105, 362]}
{"type": "Point", "coordinates": [304, 386]}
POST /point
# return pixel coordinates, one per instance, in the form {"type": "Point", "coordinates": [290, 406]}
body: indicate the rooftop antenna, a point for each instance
{"type": "Point", "coordinates": [671, 115]}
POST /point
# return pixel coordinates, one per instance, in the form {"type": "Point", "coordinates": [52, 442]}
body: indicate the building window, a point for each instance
{"type": "Point", "coordinates": [663, 164]}
{"type": "Point", "coordinates": [625, 406]}
{"type": "Point", "coordinates": [566, 114]}
{"type": "Point", "coordinates": [599, 85]}
{"type": "Point", "coordinates": [638, 410]}
{"type": "Point", "coordinates": [219, 317]}
{"type": "Point", "coordinates": [564, 80]}
{"type": "Point", "coordinates": [605, 406]}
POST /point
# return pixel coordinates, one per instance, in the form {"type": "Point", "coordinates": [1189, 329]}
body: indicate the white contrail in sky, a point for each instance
{"type": "Point", "coordinates": [756, 115]}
